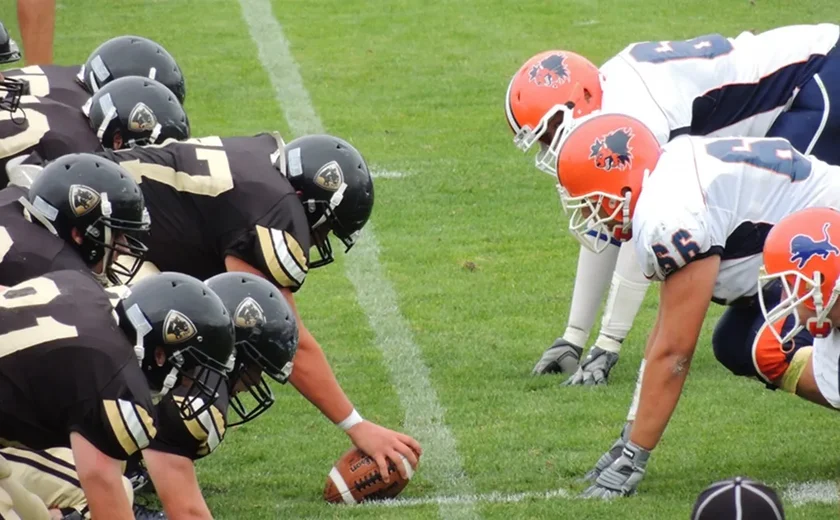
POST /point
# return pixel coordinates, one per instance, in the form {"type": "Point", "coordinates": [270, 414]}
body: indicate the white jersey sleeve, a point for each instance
{"type": "Point", "coordinates": [671, 227]}
{"type": "Point", "coordinates": [826, 362]}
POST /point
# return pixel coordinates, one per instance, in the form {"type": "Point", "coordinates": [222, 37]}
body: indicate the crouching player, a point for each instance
{"type": "Point", "coordinates": [802, 267]}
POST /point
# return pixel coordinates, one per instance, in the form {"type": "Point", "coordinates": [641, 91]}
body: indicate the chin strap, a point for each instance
{"type": "Point", "coordinates": [169, 382]}
{"type": "Point", "coordinates": [32, 212]}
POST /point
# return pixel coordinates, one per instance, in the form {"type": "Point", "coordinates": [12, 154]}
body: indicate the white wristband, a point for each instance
{"type": "Point", "coordinates": [352, 420]}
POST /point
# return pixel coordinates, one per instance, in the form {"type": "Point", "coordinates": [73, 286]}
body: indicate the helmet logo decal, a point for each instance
{"type": "Point", "coordinates": [804, 247]}
{"type": "Point", "coordinates": [613, 151]}
{"type": "Point", "coordinates": [82, 199]}
{"type": "Point", "coordinates": [248, 314]}
{"type": "Point", "coordinates": [329, 176]}
{"type": "Point", "coordinates": [550, 72]}
{"type": "Point", "coordinates": [141, 119]}
{"type": "Point", "coordinates": [177, 328]}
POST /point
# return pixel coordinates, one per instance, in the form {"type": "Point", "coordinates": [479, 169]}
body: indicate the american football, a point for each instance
{"type": "Point", "coordinates": [355, 478]}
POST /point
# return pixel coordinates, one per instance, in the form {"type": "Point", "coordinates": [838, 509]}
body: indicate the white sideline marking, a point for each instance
{"type": "Point", "coordinates": [424, 415]}
{"type": "Point", "coordinates": [797, 494]}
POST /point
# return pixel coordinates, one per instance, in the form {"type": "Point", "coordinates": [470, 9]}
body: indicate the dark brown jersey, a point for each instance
{"type": "Point", "coordinates": [27, 249]}
{"type": "Point", "coordinates": [192, 439]}
{"type": "Point", "coordinates": [211, 197]}
{"type": "Point", "coordinates": [55, 82]}
{"type": "Point", "coordinates": [66, 366]}
{"type": "Point", "coordinates": [40, 120]}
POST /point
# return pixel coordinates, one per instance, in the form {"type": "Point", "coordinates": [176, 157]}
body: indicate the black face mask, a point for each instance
{"type": "Point", "coordinates": [11, 90]}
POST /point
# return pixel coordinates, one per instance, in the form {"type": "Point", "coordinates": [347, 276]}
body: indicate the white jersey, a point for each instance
{"type": "Point", "coordinates": [713, 85]}
{"type": "Point", "coordinates": [722, 196]}
{"type": "Point", "coordinates": [826, 361]}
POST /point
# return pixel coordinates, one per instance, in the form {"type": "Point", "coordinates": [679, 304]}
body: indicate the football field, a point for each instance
{"type": "Point", "coordinates": [464, 275]}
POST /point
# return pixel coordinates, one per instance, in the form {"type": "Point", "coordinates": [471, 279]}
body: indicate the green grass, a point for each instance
{"type": "Point", "coordinates": [418, 87]}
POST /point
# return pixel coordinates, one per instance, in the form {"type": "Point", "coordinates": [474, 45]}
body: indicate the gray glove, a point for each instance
{"type": "Point", "coordinates": [622, 476]}
{"type": "Point", "coordinates": [560, 358]}
{"type": "Point", "coordinates": [595, 369]}
{"type": "Point", "coordinates": [611, 455]}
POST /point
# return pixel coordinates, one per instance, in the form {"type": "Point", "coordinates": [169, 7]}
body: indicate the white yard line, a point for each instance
{"type": "Point", "coordinates": [387, 174]}
{"type": "Point", "coordinates": [821, 492]}
{"type": "Point", "coordinates": [424, 415]}
{"type": "Point", "coordinates": [795, 494]}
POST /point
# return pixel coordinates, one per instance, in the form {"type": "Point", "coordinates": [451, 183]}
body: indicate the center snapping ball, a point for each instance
{"type": "Point", "coordinates": [355, 478]}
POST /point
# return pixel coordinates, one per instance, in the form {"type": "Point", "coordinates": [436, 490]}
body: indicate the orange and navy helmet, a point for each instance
{"type": "Point", "coordinates": [802, 252]}
{"type": "Point", "coordinates": [545, 95]}
{"type": "Point", "coordinates": [600, 168]}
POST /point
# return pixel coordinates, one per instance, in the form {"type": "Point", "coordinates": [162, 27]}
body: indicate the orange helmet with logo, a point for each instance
{"type": "Point", "coordinates": [602, 163]}
{"type": "Point", "coordinates": [802, 252]}
{"type": "Point", "coordinates": [545, 95]}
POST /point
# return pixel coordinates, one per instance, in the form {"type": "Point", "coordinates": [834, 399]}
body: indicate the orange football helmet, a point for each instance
{"type": "Point", "coordinates": [802, 251]}
{"type": "Point", "coordinates": [602, 164]}
{"type": "Point", "coordinates": [545, 95]}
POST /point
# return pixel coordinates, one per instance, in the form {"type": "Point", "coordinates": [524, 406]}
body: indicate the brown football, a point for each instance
{"type": "Point", "coordinates": [355, 478]}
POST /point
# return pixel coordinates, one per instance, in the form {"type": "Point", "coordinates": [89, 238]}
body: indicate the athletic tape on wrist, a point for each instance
{"type": "Point", "coordinates": [352, 420]}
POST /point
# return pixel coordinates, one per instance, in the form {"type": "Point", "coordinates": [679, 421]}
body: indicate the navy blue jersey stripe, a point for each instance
{"type": "Point", "coordinates": [732, 103]}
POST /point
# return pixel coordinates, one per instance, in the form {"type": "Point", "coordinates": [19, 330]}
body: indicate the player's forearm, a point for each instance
{"type": "Point", "coordinates": [177, 486]}
{"type": "Point", "coordinates": [37, 29]}
{"type": "Point", "coordinates": [314, 379]}
{"type": "Point", "coordinates": [664, 376]}
{"type": "Point", "coordinates": [106, 497]}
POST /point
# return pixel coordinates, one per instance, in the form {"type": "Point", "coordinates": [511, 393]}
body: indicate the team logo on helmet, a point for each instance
{"type": "Point", "coordinates": [177, 328]}
{"type": "Point", "coordinates": [141, 119]}
{"type": "Point", "coordinates": [248, 314]}
{"type": "Point", "coordinates": [330, 177]}
{"type": "Point", "coordinates": [82, 199]}
{"type": "Point", "coordinates": [613, 151]}
{"type": "Point", "coordinates": [804, 247]}
{"type": "Point", "coordinates": [550, 71]}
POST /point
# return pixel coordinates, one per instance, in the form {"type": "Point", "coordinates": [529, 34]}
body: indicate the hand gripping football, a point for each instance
{"type": "Point", "coordinates": [355, 478]}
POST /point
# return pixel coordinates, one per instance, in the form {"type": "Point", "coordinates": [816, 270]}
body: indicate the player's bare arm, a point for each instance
{"type": "Point", "coordinates": [101, 478]}
{"type": "Point", "coordinates": [684, 300]}
{"type": "Point", "coordinates": [176, 485]}
{"type": "Point", "coordinates": [314, 379]}
{"type": "Point", "coordinates": [37, 30]}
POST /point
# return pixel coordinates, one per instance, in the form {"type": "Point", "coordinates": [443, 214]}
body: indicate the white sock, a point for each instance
{"type": "Point", "coordinates": [593, 273]}
{"type": "Point", "coordinates": [627, 292]}
{"type": "Point", "coordinates": [634, 406]}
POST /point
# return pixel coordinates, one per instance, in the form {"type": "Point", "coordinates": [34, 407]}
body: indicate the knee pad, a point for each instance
{"type": "Point", "coordinates": [777, 364]}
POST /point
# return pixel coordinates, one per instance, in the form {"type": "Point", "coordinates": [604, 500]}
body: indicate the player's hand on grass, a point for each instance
{"type": "Point", "coordinates": [611, 455]}
{"type": "Point", "coordinates": [622, 477]}
{"type": "Point", "coordinates": [383, 444]}
{"type": "Point", "coordinates": [595, 369]}
{"type": "Point", "coordinates": [560, 358]}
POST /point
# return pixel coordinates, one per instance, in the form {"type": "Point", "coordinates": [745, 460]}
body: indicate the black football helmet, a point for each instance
{"type": "Point", "coordinates": [132, 56]}
{"type": "Point", "coordinates": [139, 111]}
{"type": "Point", "coordinates": [99, 199]}
{"type": "Point", "coordinates": [180, 329]}
{"type": "Point", "coordinates": [9, 52]}
{"type": "Point", "coordinates": [335, 187]}
{"type": "Point", "coordinates": [266, 338]}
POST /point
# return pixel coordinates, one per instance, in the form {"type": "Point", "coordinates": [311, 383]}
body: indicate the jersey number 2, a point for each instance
{"type": "Point", "coordinates": [38, 291]}
{"type": "Point", "coordinates": [703, 47]}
